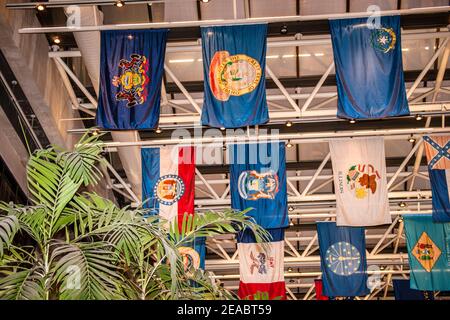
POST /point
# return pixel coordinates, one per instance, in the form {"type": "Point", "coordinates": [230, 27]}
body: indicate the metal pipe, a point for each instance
{"type": "Point", "coordinates": [179, 24]}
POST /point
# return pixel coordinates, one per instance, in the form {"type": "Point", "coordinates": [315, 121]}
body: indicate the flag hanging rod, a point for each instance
{"type": "Point", "coordinates": [293, 137]}
{"type": "Point", "coordinates": [197, 23]}
{"type": "Point", "coordinates": [304, 41]}
{"type": "Point", "coordinates": [66, 3]}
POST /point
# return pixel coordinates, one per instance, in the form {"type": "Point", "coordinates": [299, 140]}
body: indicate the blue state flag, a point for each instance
{"type": "Point", "coordinates": [440, 183]}
{"type": "Point", "coordinates": [428, 256]}
{"type": "Point", "coordinates": [369, 68]}
{"type": "Point", "coordinates": [131, 69]}
{"type": "Point", "coordinates": [234, 60]}
{"type": "Point", "coordinates": [343, 260]}
{"type": "Point", "coordinates": [258, 181]}
{"type": "Point", "coordinates": [402, 291]}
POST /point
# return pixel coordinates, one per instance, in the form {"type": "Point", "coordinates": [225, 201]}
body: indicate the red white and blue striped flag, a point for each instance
{"type": "Point", "coordinates": [168, 181]}
{"type": "Point", "coordinates": [261, 269]}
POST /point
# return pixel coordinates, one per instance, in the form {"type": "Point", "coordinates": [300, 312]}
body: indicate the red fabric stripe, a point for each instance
{"type": "Point", "coordinates": [274, 289]}
{"type": "Point", "coordinates": [319, 294]}
{"type": "Point", "coordinates": [186, 171]}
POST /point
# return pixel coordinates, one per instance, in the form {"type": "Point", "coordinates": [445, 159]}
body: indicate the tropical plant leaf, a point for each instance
{"type": "Point", "coordinates": [26, 284]}
{"type": "Point", "coordinates": [9, 225]}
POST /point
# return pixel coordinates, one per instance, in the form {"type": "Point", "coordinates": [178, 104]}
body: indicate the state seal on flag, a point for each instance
{"type": "Point", "coordinates": [253, 185]}
{"type": "Point", "coordinates": [191, 258]}
{"type": "Point", "coordinates": [132, 80]}
{"type": "Point", "coordinates": [383, 39]}
{"type": "Point", "coordinates": [426, 252]}
{"type": "Point", "coordinates": [233, 75]}
{"type": "Point", "coordinates": [343, 258]}
{"type": "Point", "coordinates": [169, 189]}
{"type": "Point", "coordinates": [361, 178]}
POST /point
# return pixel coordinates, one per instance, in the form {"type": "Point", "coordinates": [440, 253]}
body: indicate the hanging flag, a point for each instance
{"type": "Point", "coordinates": [319, 290]}
{"type": "Point", "coordinates": [343, 260]}
{"type": "Point", "coordinates": [258, 181]}
{"type": "Point", "coordinates": [168, 181]}
{"type": "Point", "coordinates": [369, 68]}
{"type": "Point", "coordinates": [193, 253]}
{"type": "Point", "coordinates": [437, 151]}
{"type": "Point", "coordinates": [440, 183]}
{"type": "Point", "coordinates": [234, 60]}
{"type": "Point", "coordinates": [402, 291]}
{"type": "Point", "coordinates": [131, 69]}
{"type": "Point", "coordinates": [359, 171]}
{"type": "Point", "coordinates": [428, 255]}
{"type": "Point", "coordinates": [261, 269]}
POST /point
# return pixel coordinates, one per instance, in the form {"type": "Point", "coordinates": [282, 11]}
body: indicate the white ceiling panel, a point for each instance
{"type": "Point", "coordinates": [268, 8]}
{"type": "Point", "coordinates": [313, 7]}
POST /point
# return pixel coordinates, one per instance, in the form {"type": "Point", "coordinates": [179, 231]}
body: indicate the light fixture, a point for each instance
{"type": "Point", "coordinates": [289, 144]}
{"type": "Point", "coordinates": [289, 269]}
{"type": "Point", "coordinates": [412, 139]}
{"type": "Point", "coordinates": [130, 37]}
{"type": "Point", "coordinates": [284, 29]}
{"type": "Point", "coordinates": [400, 220]}
{"type": "Point", "coordinates": [291, 224]}
{"type": "Point", "coordinates": [291, 208]}
{"type": "Point", "coordinates": [419, 117]}
{"type": "Point", "coordinates": [158, 130]}
{"type": "Point", "coordinates": [352, 121]}
{"type": "Point", "coordinates": [40, 7]}
{"type": "Point", "coordinates": [402, 204]}
{"type": "Point", "coordinates": [119, 3]}
{"type": "Point", "coordinates": [56, 40]}
{"type": "Point", "coordinates": [204, 1]}
{"type": "Point", "coordinates": [288, 123]}
{"type": "Point", "coordinates": [222, 128]}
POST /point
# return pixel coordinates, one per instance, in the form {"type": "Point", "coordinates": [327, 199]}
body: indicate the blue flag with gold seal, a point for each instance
{"type": "Point", "coordinates": [343, 260]}
{"type": "Point", "coordinates": [131, 69]}
{"type": "Point", "coordinates": [234, 60]}
{"type": "Point", "coordinates": [369, 68]}
{"type": "Point", "coordinates": [428, 252]}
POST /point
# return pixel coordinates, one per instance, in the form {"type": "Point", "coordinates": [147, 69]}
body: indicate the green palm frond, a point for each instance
{"type": "Point", "coordinates": [86, 271]}
{"type": "Point", "coordinates": [9, 225]}
{"type": "Point", "coordinates": [27, 284]}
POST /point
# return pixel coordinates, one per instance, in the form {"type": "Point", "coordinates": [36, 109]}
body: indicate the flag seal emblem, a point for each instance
{"type": "Point", "coordinates": [383, 39]}
{"type": "Point", "coordinates": [426, 252]}
{"type": "Point", "coordinates": [133, 80]}
{"type": "Point", "coordinates": [343, 258]}
{"type": "Point", "coordinates": [253, 185]}
{"type": "Point", "coordinates": [360, 180]}
{"type": "Point", "coordinates": [169, 189]}
{"type": "Point", "coordinates": [233, 75]}
{"type": "Point", "coordinates": [261, 262]}
{"type": "Point", "coordinates": [191, 258]}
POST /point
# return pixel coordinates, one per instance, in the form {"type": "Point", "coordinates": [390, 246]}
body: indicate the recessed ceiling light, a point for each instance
{"type": "Point", "coordinates": [402, 204]}
{"type": "Point", "coordinates": [419, 117]}
{"type": "Point", "coordinates": [291, 208]}
{"type": "Point", "coordinates": [158, 130]}
{"type": "Point", "coordinates": [412, 139]}
{"type": "Point", "coordinates": [204, 1]}
{"type": "Point", "coordinates": [56, 40]}
{"type": "Point", "coordinates": [289, 144]}
{"type": "Point", "coordinates": [352, 121]}
{"type": "Point", "coordinates": [40, 7]}
{"type": "Point", "coordinates": [284, 29]}
{"type": "Point", "coordinates": [288, 123]}
{"type": "Point", "coordinates": [222, 128]}
{"type": "Point", "coordinates": [119, 3]}
{"type": "Point", "coordinates": [291, 223]}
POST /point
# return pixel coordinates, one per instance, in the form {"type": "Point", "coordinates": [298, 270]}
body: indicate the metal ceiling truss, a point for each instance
{"type": "Point", "coordinates": [309, 203]}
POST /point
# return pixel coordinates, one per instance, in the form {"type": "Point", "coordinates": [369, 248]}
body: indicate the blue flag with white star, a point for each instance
{"type": "Point", "coordinates": [369, 68]}
{"type": "Point", "coordinates": [343, 260]}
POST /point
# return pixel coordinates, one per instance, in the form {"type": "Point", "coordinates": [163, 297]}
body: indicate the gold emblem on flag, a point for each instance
{"type": "Point", "coordinates": [426, 252]}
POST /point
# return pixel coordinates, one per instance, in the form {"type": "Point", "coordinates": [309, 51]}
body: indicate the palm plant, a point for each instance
{"type": "Point", "coordinates": [71, 243]}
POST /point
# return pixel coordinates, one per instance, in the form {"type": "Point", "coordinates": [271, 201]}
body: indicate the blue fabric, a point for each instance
{"type": "Point", "coordinates": [258, 181]}
{"type": "Point", "coordinates": [369, 75]}
{"type": "Point", "coordinates": [227, 44]}
{"type": "Point", "coordinates": [345, 277]}
{"type": "Point", "coordinates": [199, 245]}
{"type": "Point", "coordinates": [439, 192]}
{"type": "Point", "coordinates": [437, 278]}
{"type": "Point", "coordinates": [150, 175]}
{"type": "Point", "coordinates": [402, 291]}
{"type": "Point", "coordinates": [131, 69]}
{"type": "Point", "coordinates": [247, 236]}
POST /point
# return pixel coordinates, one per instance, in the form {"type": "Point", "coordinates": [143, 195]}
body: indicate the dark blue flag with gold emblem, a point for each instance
{"type": "Point", "coordinates": [369, 68]}
{"type": "Point", "coordinates": [234, 60]}
{"type": "Point", "coordinates": [343, 260]}
{"type": "Point", "coordinates": [131, 69]}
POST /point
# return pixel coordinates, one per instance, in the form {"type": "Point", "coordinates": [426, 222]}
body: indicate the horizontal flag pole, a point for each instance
{"type": "Point", "coordinates": [297, 136]}
{"type": "Point", "coordinates": [217, 22]}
